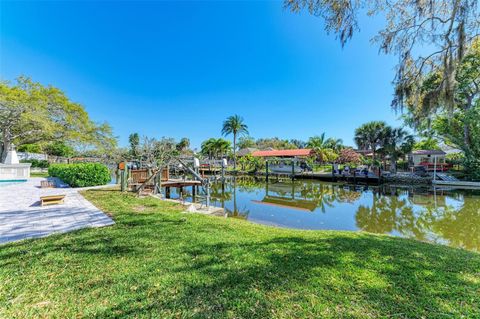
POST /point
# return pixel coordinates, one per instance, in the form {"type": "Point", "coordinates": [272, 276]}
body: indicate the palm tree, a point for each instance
{"type": "Point", "coordinates": [183, 145]}
{"type": "Point", "coordinates": [321, 147]}
{"type": "Point", "coordinates": [396, 142]}
{"type": "Point", "coordinates": [222, 147]}
{"type": "Point", "coordinates": [369, 135]}
{"type": "Point", "coordinates": [335, 144]}
{"type": "Point", "coordinates": [234, 125]}
{"type": "Point", "coordinates": [215, 147]}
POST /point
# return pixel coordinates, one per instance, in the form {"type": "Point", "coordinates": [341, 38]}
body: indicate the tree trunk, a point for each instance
{"type": "Point", "coordinates": [234, 151]}
{"type": "Point", "coordinates": [5, 146]}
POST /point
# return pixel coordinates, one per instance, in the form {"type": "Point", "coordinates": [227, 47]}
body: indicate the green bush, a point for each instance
{"type": "Point", "coordinates": [37, 163]}
{"type": "Point", "coordinates": [81, 174]}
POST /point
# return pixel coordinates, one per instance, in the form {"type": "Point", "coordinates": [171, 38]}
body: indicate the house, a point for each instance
{"type": "Point", "coordinates": [365, 153]}
{"type": "Point", "coordinates": [429, 159]}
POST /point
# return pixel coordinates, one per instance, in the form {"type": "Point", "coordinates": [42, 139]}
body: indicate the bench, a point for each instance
{"type": "Point", "coordinates": [51, 200]}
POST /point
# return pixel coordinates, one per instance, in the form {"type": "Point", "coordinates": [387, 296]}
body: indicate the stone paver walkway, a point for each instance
{"type": "Point", "coordinates": [22, 217]}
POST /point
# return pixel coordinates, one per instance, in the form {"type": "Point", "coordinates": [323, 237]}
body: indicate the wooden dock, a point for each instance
{"type": "Point", "coordinates": [180, 184]}
{"type": "Point", "coordinates": [457, 184]}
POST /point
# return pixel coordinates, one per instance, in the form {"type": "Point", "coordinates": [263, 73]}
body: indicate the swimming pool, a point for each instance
{"type": "Point", "coordinates": [8, 182]}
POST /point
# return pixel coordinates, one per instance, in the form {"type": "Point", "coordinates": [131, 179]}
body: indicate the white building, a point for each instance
{"type": "Point", "coordinates": [429, 159]}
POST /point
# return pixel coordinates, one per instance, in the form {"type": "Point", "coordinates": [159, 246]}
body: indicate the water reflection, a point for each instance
{"type": "Point", "coordinates": [435, 215]}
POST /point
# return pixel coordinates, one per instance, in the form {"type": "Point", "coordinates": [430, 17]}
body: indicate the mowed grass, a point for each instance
{"type": "Point", "coordinates": [157, 262]}
{"type": "Point", "coordinates": [39, 174]}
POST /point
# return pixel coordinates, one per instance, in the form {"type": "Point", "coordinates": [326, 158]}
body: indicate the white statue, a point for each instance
{"type": "Point", "coordinates": [12, 157]}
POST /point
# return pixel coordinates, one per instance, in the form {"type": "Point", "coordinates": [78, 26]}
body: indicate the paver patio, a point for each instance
{"type": "Point", "coordinates": [22, 217]}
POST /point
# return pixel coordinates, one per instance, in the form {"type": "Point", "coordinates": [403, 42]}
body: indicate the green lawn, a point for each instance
{"type": "Point", "coordinates": [159, 263]}
{"type": "Point", "coordinates": [39, 174]}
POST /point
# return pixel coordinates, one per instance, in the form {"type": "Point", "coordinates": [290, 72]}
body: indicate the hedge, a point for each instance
{"type": "Point", "coordinates": [36, 163]}
{"type": "Point", "coordinates": [81, 174]}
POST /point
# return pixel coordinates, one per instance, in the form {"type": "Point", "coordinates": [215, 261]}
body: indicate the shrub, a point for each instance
{"type": "Point", "coordinates": [59, 149]}
{"type": "Point", "coordinates": [349, 156]}
{"type": "Point", "coordinates": [36, 163]}
{"type": "Point", "coordinates": [30, 148]}
{"type": "Point", "coordinates": [81, 174]}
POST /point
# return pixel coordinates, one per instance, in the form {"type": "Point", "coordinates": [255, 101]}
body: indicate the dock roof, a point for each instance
{"type": "Point", "coordinates": [284, 153]}
{"type": "Point", "coordinates": [428, 152]}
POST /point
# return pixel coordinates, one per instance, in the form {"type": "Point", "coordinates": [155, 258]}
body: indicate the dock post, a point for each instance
{"type": "Point", "coordinates": [122, 181]}
{"type": "Point", "coordinates": [194, 193]}
{"type": "Point", "coordinates": [223, 174]}
{"type": "Point", "coordinates": [208, 196]}
{"type": "Point", "coordinates": [167, 192]}
{"type": "Point", "coordinates": [124, 177]}
{"type": "Point", "coordinates": [266, 170]}
{"type": "Point", "coordinates": [293, 170]}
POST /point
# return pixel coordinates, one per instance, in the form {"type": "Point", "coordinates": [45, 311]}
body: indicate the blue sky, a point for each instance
{"type": "Point", "coordinates": [180, 68]}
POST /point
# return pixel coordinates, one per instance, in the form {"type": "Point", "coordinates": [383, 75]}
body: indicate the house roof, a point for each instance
{"type": "Point", "coordinates": [364, 152]}
{"type": "Point", "coordinates": [284, 153]}
{"type": "Point", "coordinates": [428, 152]}
{"type": "Point", "coordinates": [247, 150]}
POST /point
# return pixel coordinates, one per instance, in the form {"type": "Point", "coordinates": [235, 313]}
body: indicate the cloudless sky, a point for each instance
{"type": "Point", "coordinates": [178, 69]}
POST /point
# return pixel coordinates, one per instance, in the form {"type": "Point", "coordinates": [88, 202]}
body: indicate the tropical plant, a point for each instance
{"type": "Point", "coordinates": [396, 142]}
{"type": "Point", "coordinates": [369, 136]}
{"type": "Point", "coordinates": [249, 162]}
{"type": "Point", "coordinates": [236, 126]}
{"type": "Point", "coordinates": [321, 146]}
{"type": "Point", "coordinates": [349, 156]}
{"type": "Point", "coordinates": [335, 144]}
{"type": "Point", "coordinates": [183, 145]}
{"type": "Point", "coordinates": [216, 147]}
{"type": "Point", "coordinates": [298, 143]}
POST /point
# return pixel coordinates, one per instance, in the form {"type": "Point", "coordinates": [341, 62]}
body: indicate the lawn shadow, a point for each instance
{"type": "Point", "coordinates": [403, 279]}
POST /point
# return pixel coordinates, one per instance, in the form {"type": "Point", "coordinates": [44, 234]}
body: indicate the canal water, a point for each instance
{"type": "Point", "coordinates": [449, 217]}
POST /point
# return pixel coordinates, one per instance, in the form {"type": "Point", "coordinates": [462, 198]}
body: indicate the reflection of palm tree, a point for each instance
{"type": "Point", "coordinates": [389, 213]}
{"type": "Point", "coordinates": [325, 195]}
{"type": "Point", "coordinates": [461, 228]}
{"type": "Point", "coordinates": [236, 212]}
{"type": "Point", "coordinates": [380, 218]}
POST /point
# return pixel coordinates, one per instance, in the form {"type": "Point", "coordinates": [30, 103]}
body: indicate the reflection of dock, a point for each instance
{"type": "Point", "coordinates": [458, 184]}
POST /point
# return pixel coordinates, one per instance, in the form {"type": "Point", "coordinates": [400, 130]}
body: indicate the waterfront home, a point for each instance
{"type": "Point", "coordinates": [428, 159]}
